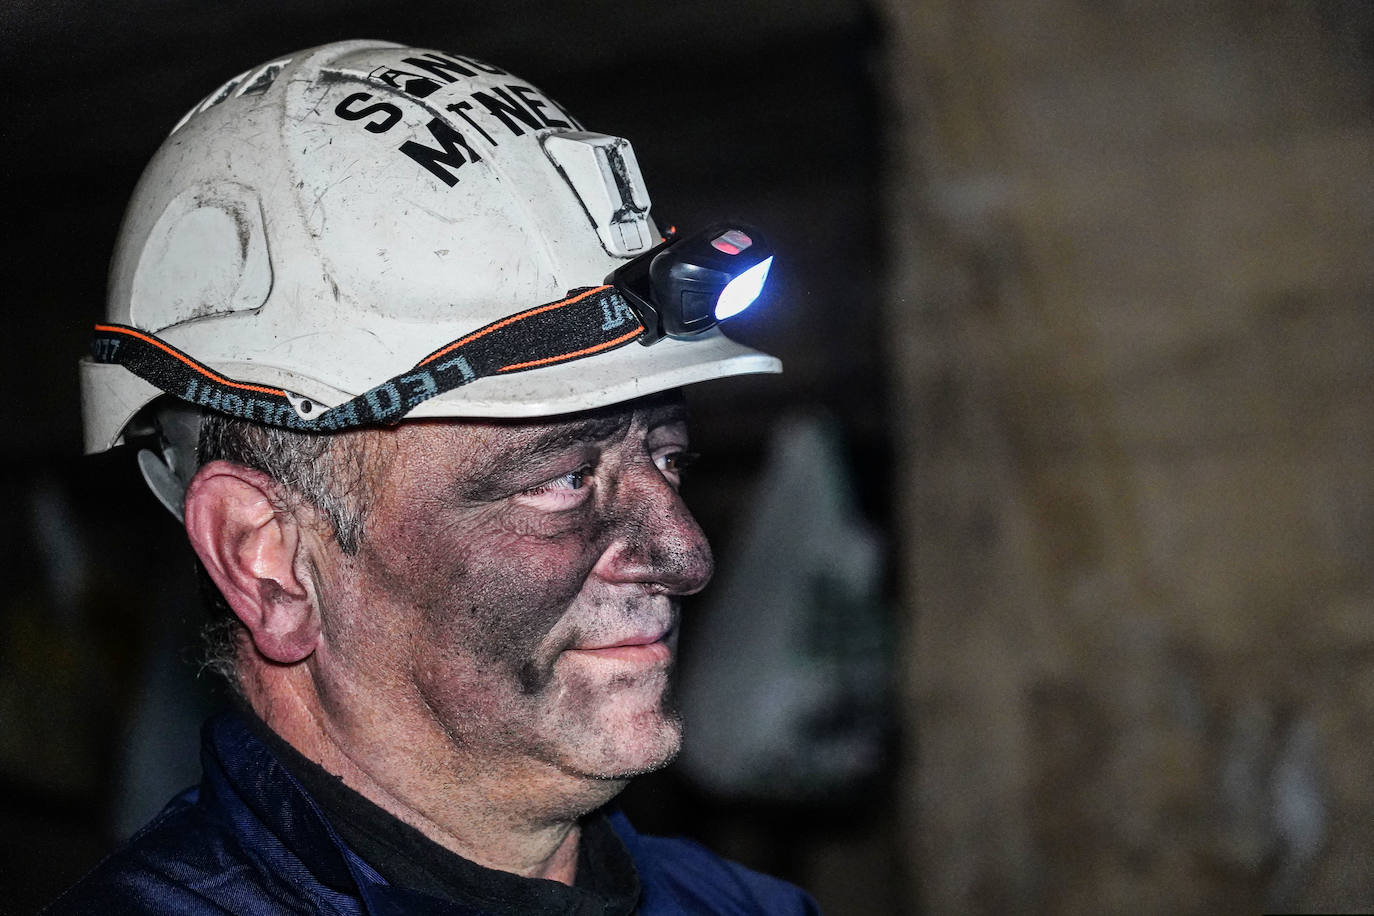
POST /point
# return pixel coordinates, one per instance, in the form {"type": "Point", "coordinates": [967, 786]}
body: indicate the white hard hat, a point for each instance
{"type": "Point", "coordinates": [362, 232]}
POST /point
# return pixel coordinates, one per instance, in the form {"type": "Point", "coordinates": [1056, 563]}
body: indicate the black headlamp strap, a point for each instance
{"type": "Point", "coordinates": [589, 321]}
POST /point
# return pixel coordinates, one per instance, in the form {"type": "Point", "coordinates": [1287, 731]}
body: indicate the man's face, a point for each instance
{"type": "Point", "coordinates": [517, 587]}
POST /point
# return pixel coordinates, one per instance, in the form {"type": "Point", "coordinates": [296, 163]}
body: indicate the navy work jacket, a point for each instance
{"type": "Point", "coordinates": [249, 839]}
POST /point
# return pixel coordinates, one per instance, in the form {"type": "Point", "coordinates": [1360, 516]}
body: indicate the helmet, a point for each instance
{"type": "Point", "coordinates": [362, 232]}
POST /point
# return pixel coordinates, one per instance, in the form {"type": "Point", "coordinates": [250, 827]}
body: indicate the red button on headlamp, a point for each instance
{"type": "Point", "coordinates": [732, 241]}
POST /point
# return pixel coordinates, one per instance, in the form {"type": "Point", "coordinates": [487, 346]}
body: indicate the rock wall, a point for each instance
{"type": "Point", "coordinates": [1132, 339]}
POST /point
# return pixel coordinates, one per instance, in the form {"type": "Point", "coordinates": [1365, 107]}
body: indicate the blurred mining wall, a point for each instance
{"type": "Point", "coordinates": [1129, 314]}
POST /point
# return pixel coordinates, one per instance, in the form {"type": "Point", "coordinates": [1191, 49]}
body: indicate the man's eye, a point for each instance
{"type": "Point", "coordinates": [574, 480]}
{"type": "Point", "coordinates": [675, 463]}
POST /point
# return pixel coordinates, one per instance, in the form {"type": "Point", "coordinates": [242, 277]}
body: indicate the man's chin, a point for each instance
{"type": "Point", "coordinates": [643, 768]}
{"type": "Point", "coordinates": [596, 781]}
{"type": "Point", "coordinates": [646, 745]}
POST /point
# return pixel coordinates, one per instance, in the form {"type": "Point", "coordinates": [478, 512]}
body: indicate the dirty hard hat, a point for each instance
{"type": "Point", "coordinates": [364, 232]}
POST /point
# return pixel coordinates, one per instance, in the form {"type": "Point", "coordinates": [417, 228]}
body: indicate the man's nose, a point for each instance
{"type": "Point", "coordinates": [656, 540]}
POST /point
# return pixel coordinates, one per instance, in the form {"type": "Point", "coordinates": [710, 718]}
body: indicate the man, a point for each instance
{"type": "Point", "coordinates": [393, 336]}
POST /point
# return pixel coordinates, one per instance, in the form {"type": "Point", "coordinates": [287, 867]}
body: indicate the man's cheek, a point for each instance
{"type": "Point", "coordinates": [455, 681]}
{"type": "Point", "coordinates": [508, 594]}
{"type": "Point", "coordinates": [527, 524]}
{"type": "Point", "coordinates": [543, 557]}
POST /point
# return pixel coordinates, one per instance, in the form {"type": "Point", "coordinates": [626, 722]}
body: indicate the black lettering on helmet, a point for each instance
{"type": "Point", "coordinates": [452, 145]}
{"type": "Point", "coordinates": [461, 109]}
{"type": "Point", "coordinates": [537, 104]}
{"type": "Point", "coordinates": [503, 106]}
{"type": "Point", "coordinates": [480, 65]}
{"type": "Point", "coordinates": [390, 113]}
{"type": "Point", "coordinates": [410, 83]}
{"type": "Point", "coordinates": [442, 67]}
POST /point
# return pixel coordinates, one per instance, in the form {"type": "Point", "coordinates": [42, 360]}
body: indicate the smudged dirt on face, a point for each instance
{"type": "Point", "coordinates": [494, 549]}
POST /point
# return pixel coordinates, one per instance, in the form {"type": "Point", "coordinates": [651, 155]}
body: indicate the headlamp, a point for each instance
{"type": "Point", "coordinates": [686, 285]}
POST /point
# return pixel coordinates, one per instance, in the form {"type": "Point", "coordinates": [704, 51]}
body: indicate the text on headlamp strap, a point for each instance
{"type": "Point", "coordinates": [586, 322]}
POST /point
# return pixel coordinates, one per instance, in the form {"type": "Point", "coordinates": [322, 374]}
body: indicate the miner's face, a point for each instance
{"type": "Point", "coordinates": [518, 581]}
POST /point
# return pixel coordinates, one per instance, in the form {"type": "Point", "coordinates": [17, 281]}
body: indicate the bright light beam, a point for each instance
{"type": "Point", "coordinates": [741, 292]}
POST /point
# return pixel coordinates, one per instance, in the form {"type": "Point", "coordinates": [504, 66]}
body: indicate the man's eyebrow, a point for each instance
{"type": "Point", "coordinates": [483, 483]}
{"type": "Point", "coordinates": [671, 412]}
{"type": "Point", "coordinates": [594, 429]}
{"type": "Point", "coordinates": [590, 430]}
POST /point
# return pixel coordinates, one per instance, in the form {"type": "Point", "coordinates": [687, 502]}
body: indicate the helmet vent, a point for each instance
{"type": "Point", "coordinates": [249, 82]}
{"type": "Point", "coordinates": [206, 255]}
{"type": "Point", "coordinates": [262, 80]}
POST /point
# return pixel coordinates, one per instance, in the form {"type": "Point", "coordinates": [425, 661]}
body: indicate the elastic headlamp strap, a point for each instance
{"type": "Point", "coordinates": [588, 321]}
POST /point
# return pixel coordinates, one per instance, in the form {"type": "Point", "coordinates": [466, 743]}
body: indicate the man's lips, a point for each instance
{"type": "Point", "coordinates": [640, 649]}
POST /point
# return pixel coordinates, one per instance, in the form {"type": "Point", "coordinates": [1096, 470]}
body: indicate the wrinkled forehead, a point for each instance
{"type": "Point", "coordinates": [602, 423]}
{"type": "Point", "coordinates": [478, 446]}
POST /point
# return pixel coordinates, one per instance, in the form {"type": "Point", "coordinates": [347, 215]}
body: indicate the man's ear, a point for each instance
{"type": "Point", "coordinates": [250, 548]}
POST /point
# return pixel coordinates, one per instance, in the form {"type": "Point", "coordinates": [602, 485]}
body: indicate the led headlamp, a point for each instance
{"type": "Point", "coordinates": [686, 285]}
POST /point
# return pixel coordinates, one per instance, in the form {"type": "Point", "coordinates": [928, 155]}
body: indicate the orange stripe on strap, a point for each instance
{"type": "Point", "coordinates": [511, 320]}
{"type": "Point", "coordinates": [556, 359]}
{"type": "Point", "coordinates": [187, 360]}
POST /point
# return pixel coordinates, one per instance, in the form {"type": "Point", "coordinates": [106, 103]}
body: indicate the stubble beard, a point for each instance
{"type": "Point", "coordinates": [600, 733]}
{"type": "Point", "coordinates": [606, 748]}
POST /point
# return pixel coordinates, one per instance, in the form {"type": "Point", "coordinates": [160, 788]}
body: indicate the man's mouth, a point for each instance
{"type": "Point", "coordinates": [640, 649]}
